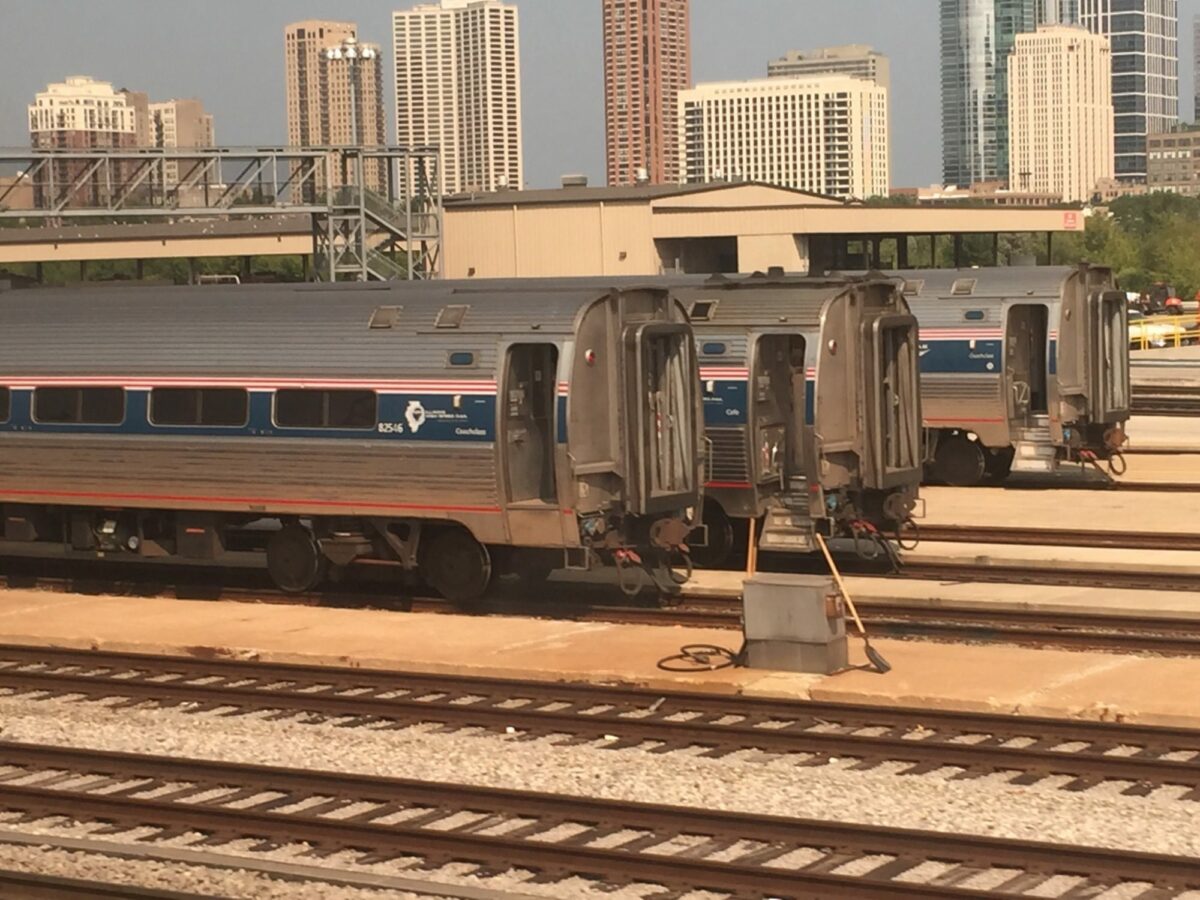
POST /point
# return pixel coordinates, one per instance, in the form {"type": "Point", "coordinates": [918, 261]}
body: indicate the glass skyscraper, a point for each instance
{"type": "Point", "coordinates": [977, 37]}
{"type": "Point", "coordinates": [1144, 35]}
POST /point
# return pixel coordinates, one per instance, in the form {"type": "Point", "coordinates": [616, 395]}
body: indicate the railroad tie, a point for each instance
{"type": "Point", "coordinates": [893, 868]}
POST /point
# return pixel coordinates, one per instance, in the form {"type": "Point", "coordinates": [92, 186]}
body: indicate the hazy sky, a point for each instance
{"type": "Point", "coordinates": [230, 54]}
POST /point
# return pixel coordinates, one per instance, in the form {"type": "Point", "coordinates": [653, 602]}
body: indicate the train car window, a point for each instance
{"type": "Point", "coordinates": [463, 359]}
{"type": "Point", "coordinates": [385, 316]}
{"type": "Point", "coordinates": [975, 315]}
{"type": "Point", "coordinates": [79, 406]}
{"type": "Point", "coordinates": [713, 349]}
{"type": "Point", "coordinates": [451, 316]}
{"type": "Point", "coordinates": [219, 407]}
{"type": "Point", "coordinates": [350, 410]}
{"type": "Point", "coordinates": [5, 404]}
{"type": "Point", "coordinates": [703, 310]}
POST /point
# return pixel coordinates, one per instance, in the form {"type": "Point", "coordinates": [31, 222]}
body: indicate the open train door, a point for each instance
{"type": "Point", "coordinates": [527, 425]}
{"type": "Point", "coordinates": [1026, 364]}
{"type": "Point", "coordinates": [778, 399]}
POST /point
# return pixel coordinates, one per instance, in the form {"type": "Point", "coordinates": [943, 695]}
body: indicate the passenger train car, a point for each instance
{"type": "Point", "coordinates": [451, 433]}
{"type": "Point", "coordinates": [1022, 369]}
{"type": "Point", "coordinates": [812, 409]}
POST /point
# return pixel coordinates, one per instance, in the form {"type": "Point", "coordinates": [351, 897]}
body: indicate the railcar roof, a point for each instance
{"type": "Point", "coordinates": [1005, 281]}
{"type": "Point", "coordinates": [754, 302]}
{"type": "Point", "coordinates": [269, 328]}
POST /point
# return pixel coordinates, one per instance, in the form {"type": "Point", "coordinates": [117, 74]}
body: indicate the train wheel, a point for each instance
{"type": "Point", "coordinates": [294, 560]}
{"type": "Point", "coordinates": [717, 552]}
{"type": "Point", "coordinates": [959, 462]}
{"type": "Point", "coordinates": [457, 566]}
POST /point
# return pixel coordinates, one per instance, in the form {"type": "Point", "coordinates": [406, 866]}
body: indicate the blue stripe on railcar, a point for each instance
{"type": "Point", "coordinates": [727, 403]}
{"type": "Point", "coordinates": [951, 355]}
{"type": "Point", "coordinates": [401, 416]}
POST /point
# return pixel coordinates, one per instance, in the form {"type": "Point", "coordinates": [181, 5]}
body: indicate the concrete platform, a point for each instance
{"type": "Point", "coordinates": [1148, 511]}
{"type": "Point", "coordinates": [996, 679]}
{"type": "Point", "coordinates": [975, 595]}
{"type": "Point", "coordinates": [1177, 434]}
{"type": "Point", "coordinates": [1175, 468]}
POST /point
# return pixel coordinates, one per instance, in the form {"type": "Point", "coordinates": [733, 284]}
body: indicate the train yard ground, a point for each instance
{"type": "Point", "coordinates": [1038, 734]}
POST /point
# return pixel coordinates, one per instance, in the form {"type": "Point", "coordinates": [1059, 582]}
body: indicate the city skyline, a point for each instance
{"type": "Point", "coordinates": [563, 78]}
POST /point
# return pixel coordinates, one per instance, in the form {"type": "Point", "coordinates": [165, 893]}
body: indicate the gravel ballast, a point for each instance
{"type": "Point", "coordinates": [744, 782]}
{"type": "Point", "coordinates": [175, 876]}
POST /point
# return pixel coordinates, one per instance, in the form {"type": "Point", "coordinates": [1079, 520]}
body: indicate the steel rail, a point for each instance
{"type": "Point", "coordinates": [1117, 633]}
{"type": "Point", "coordinates": [632, 860]}
{"type": "Point", "coordinates": [1064, 575]}
{"type": "Point", "coordinates": [625, 716]}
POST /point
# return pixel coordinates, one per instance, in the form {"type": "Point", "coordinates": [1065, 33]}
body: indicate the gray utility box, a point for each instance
{"type": "Point", "coordinates": [794, 623]}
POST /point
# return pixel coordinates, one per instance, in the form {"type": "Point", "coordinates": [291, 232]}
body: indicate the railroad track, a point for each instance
{"type": "Point", "coordinates": [1166, 400]}
{"type": "Point", "coordinates": [1059, 537]}
{"type": "Point", "coordinates": [554, 837]}
{"type": "Point", "coordinates": [1027, 749]}
{"type": "Point", "coordinates": [1062, 575]}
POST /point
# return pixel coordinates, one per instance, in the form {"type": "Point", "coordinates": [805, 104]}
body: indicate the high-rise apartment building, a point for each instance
{"type": "Point", "coordinates": [1061, 119]}
{"type": "Point", "coordinates": [458, 86]}
{"type": "Point", "coordinates": [1173, 161]}
{"type": "Point", "coordinates": [856, 60]}
{"type": "Point", "coordinates": [1144, 36]}
{"type": "Point", "coordinates": [647, 63]}
{"type": "Point", "coordinates": [324, 107]}
{"type": "Point", "coordinates": [180, 124]}
{"type": "Point", "coordinates": [1196, 68]}
{"type": "Point", "coordinates": [976, 37]}
{"type": "Point", "coordinates": [305, 44]}
{"type": "Point", "coordinates": [81, 113]}
{"type": "Point", "coordinates": [822, 133]}
{"type": "Point", "coordinates": [1058, 12]}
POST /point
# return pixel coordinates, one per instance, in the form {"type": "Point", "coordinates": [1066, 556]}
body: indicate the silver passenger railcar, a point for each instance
{"type": "Point", "coordinates": [812, 409]}
{"type": "Point", "coordinates": [451, 433]}
{"type": "Point", "coordinates": [1022, 369]}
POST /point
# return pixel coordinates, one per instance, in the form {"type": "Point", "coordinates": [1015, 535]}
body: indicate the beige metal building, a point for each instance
{"type": "Point", "coordinates": [1060, 122]}
{"type": "Point", "coordinates": [458, 86]}
{"type": "Point", "coordinates": [822, 133]}
{"type": "Point", "coordinates": [854, 60]}
{"type": "Point", "coordinates": [582, 231]}
{"type": "Point", "coordinates": [647, 62]}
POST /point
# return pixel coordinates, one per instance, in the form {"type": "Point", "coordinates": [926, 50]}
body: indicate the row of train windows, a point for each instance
{"type": "Point", "coordinates": [198, 407]}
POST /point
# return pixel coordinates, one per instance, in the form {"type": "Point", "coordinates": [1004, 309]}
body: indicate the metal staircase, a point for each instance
{"type": "Point", "coordinates": [1034, 449]}
{"type": "Point", "coordinates": [388, 230]}
{"type": "Point", "coordinates": [788, 526]}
